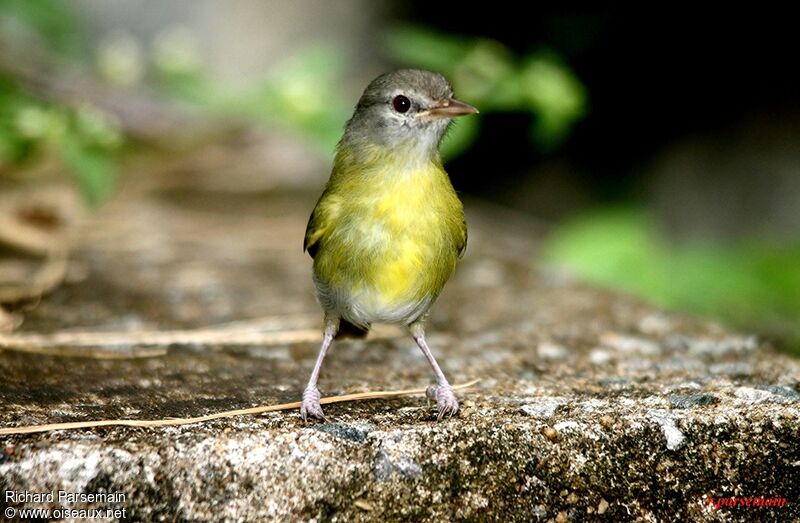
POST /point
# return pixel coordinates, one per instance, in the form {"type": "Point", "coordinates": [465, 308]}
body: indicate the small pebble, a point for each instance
{"type": "Point", "coordinates": [550, 433]}
{"type": "Point", "coordinates": [673, 435]}
{"type": "Point", "coordinates": [542, 407]}
{"type": "Point", "coordinates": [562, 517]}
{"type": "Point", "coordinates": [602, 507]}
{"type": "Point", "coordinates": [551, 351]}
{"type": "Point", "coordinates": [600, 356]}
{"type": "Point", "coordinates": [363, 504]}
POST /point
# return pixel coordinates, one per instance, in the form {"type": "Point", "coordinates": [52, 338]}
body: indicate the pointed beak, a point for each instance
{"type": "Point", "coordinates": [450, 108]}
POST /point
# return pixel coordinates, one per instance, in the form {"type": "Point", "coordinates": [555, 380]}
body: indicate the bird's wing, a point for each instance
{"type": "Point", "coordinates": [314, 233]}
{"type": "Point", "coordinates": [321, 220]}
{"type": "Point", "coordinates": [462, 247]}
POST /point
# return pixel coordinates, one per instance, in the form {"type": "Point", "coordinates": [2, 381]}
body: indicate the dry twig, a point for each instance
{"type": "Point", "coordinates": [219, 415]}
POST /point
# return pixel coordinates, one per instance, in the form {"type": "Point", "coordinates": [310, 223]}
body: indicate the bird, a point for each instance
{"type": "Point", "coordinates": [389, 228]}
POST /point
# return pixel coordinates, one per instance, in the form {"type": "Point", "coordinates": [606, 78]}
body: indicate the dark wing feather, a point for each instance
{"type": "Point", "coordinates": [462, 248]}
{"type": "Point", "coordinates": [311, 239]}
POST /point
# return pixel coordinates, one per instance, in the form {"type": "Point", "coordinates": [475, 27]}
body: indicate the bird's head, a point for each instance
{"type": "Point", "coordinates": [408, 109]}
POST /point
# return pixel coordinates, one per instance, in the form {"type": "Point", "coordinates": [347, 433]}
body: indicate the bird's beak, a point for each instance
{"type": "Point", "coordinates": [450, 108]}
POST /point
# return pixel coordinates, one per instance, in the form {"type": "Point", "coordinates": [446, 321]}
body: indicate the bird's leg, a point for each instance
{"type": "Point", "coordinates": [442, 392]}
{"type": "Point", "coordinates": [311, 406]}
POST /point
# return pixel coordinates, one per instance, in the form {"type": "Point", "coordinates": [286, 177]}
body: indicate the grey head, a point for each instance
{"type": "Point", "coordinates": [408, 108]}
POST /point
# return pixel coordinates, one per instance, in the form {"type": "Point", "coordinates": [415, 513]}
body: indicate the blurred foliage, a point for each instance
{"type": "Point", "coordinates": [87, 141]}
{"type": "Point", "coordinates": [486, 74]}
{"type": "Point", "coordinates": [751, 284]}
{"type": "Point", "coordinates": [287, 97]}
{"type": "Point", "coordinates": [84, 139]}
{"type": "Point", "coordinates": [49, 20]}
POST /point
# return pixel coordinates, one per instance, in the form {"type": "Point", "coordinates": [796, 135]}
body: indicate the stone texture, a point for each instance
{"type": "Point", "coordinates": [592, 406]}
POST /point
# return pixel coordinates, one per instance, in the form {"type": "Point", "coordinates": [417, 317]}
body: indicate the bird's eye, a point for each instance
{"type": "Point", "coordinates": [401, 104]}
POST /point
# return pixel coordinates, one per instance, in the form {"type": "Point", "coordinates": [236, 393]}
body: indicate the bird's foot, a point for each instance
{"type": "Point", "coordinates": [446, 402]}
{"type": "Point", "coordinates": [311, 406]}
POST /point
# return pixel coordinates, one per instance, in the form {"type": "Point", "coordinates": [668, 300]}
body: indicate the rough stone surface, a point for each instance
{"type": "Point", "coordinates": [592, 406]}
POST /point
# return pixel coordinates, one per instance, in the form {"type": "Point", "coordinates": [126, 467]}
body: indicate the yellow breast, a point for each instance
{"type": "Point", "coordinates": [408, 235]}
{"type": "Point", "coordinates": [391, 235]}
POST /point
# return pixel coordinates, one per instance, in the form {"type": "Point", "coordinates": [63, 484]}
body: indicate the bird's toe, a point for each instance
{"type": "Point", "coordinates": [446, 401]}
{"type": "Point", "coordinates": [311, 408]}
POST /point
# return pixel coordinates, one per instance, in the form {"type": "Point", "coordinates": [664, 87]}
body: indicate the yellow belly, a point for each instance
{"type": "Point", "coordinates": [392, 247]}
{"type": "Point", "coordinates": [406, 272]}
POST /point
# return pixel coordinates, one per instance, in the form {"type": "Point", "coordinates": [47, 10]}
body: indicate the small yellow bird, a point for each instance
{"type": "Point", "coordinates": [388, 229]}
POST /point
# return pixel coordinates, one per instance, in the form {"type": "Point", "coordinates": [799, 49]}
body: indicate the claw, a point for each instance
{"type": "Point", "coordinates": [311, 406]}
{"type": "Point", "coordinates": [446, 402]}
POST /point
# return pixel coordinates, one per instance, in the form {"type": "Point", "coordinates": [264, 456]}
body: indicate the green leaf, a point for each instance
{"type": "Point", "coordinates": [753, 285]}
{"type": "Point", "coordinates": [93, 167]}
{"type": "Point", "coordinates": [557, 97]}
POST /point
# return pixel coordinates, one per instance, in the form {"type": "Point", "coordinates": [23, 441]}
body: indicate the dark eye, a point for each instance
{"type": "Point", "coordinates": [401, 104]}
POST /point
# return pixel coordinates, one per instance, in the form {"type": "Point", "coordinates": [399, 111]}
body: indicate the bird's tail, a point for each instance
{"type": "Point", "coordinates": [348, 330]}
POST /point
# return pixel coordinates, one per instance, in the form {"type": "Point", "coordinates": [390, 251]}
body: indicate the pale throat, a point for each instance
{"type": "Point", "coordinates": [419, 151]}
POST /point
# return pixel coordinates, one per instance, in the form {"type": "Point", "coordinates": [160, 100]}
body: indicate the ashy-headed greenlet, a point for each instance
{"type": "Point", "coordinates": [388, 229]}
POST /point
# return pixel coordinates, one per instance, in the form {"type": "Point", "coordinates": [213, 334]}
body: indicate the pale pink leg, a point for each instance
{"type": "Point", "coordinates": [311, 406]}
{"type": "Point", "coordinates": [442, 393]}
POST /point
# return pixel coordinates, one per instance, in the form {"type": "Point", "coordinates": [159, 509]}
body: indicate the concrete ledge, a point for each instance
{"type": "Point", "coordinates": [592, 406]}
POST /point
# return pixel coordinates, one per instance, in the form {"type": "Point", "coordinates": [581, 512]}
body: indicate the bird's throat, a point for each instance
{"type": "Point", "coordinates": [402, 158]}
